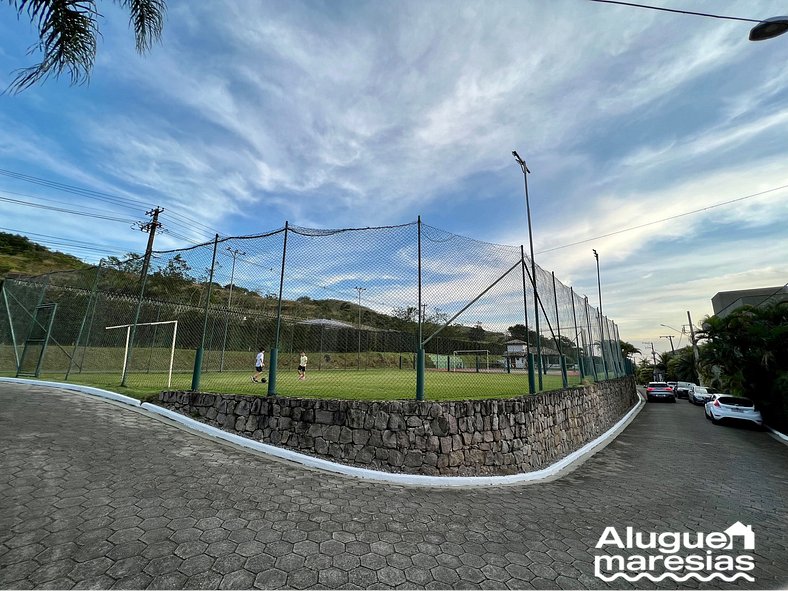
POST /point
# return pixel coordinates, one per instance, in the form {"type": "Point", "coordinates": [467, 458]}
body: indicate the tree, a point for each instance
{"type": "Point", "coordinates": [67, 32]}
{"type": "Point", "coordinates": [746, 353]}
{"type": "Point", "coordinates": [477, 333]}
{"type": "Point", "coordinates": [628, 349]}
{"type": "Point", "coordinates": [681, 365]}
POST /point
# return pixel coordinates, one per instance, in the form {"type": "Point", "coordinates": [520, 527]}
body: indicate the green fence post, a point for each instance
{"type": "Point", "coordinates": [84, 319]}
{"type": "Point", "coordinates": [531, 376]}
{"type": "Point", "coordinates": [197, 373]}
{"type": "Point", "coordinates": [577, 335]}
{"type": "Point", "coordinates": [420, 351]}
{"type": "Point", "coordinates": [564, 374]}
{"type": "Point", "coordinates": [525, 314]}
{"type": "Point", "coordinates": [133, 331]}
{"type": "Point", "coordinates": [591, 340]}
{"type": "Point", "coordinates": [420, 374]}
{"type": "Point", "coordinates": [272, 366]}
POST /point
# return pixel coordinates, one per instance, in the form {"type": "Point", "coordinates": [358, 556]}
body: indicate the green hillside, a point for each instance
{"type": "Point", "coordinates": [19, 255]}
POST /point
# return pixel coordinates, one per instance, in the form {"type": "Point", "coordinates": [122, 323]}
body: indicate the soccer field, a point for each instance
{"type": "Point", "coordinates": [371, 384]}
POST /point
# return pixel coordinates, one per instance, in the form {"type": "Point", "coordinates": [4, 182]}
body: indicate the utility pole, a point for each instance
{"type": "Point", "coordinates": [653, 357]}
{"type": "Point", "coordinates": [150, 227]}
{"type": "Point", "coordinates": [669, 337]}
{"type": "Point", "coordinates": [359, 289]}
{"type": "Point", "coordinates": [694, 348]}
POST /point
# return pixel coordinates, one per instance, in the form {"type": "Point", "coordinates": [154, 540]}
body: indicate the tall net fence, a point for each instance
{"type": "Point", "coordinates": [378, 313]}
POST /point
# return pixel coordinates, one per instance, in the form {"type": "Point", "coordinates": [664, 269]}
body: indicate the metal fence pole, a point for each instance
{"type": "Point", "coordinates": [272, 362]}
{"type": "Point", "coordinates": [10, 323]}
{"type": "Point", "coordinates": [420, 351]}
{"type": "Point", "coordinates": [529, 357]}
{"type": "Point", "coordinates": [133, 332]}
{"type": "Point", "coordinates": [577, 335]}
{"type": "Point", "coordinates": [91, 298]}
{"type": "Point", "coordinates": [591, 339]}
{"type": "Point", "coordinates": [197, 373]}
{"type": "Point", "coordinates": [561, 360]}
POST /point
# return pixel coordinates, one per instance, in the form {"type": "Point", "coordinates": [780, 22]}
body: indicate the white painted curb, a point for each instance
{"type": "Point", "coordinates": [776, 433]}
{"type": "Point", "coordinates": [375, 475]}
{"type": "Point", "coordinates": [77, 388]}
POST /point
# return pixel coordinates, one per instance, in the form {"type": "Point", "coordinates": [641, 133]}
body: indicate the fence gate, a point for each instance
{"type": "Point", "coordinates": [37, 341]}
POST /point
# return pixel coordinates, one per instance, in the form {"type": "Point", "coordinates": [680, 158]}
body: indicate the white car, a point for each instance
{"type": "Point", "coordinates": [698, 395]}
{"type": "Point", "coordinates": [738, 409]}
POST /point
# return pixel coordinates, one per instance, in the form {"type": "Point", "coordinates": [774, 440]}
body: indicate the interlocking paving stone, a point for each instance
{"type": "Point", "coordinates": [90, 511]}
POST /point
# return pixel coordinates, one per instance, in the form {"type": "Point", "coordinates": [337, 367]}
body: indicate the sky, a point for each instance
{"type": "Point", "coordinates": [657, 139]}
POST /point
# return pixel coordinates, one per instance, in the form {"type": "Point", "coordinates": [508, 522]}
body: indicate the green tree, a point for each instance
{"type": "Point", "coordinates": [67, 34]}
{"type": "Point", "coordinates": [628, 349]}
{"type": "Point", "coordinates": [746, 353]}
{"type": "Point", "coordinates": [681, 366]}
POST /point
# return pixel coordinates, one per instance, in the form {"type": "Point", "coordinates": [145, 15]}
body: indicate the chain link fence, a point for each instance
{"type": "Point", "coordinates": [379, 313]}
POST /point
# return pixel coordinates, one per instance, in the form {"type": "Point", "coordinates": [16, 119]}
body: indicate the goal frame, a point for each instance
{"type": "Point", "coordinates": [128, 336]}
{"type": "Point", "coordinates": [477, 352]}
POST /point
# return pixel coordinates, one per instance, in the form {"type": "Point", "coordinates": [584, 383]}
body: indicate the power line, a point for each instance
{"type": "Point", "coordinates": [100, 196]}
{"type": "Point", "coordinates": [663, 9]}
{"type": "Point", "coordinates": [673, 217]}
{"type": "Point", "coordinates": [63, 210]}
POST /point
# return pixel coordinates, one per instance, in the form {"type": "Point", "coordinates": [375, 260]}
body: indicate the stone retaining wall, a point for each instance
{"type": "Point", "coordinates": [470, 438]}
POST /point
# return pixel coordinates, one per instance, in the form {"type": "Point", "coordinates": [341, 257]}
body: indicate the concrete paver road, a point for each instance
{"type": "Point", "coordinates": [95, 495]}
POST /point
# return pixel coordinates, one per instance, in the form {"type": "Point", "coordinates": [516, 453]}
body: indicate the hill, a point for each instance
{"type": "Point", "coordinates": [21, 256]}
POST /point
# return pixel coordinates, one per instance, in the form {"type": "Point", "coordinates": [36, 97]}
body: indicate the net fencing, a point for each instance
{"type": "Point", "coordinates": [380, 313]}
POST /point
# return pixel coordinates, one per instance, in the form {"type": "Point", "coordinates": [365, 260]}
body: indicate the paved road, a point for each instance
{"type": "Point", "coordinates": [94, 495]}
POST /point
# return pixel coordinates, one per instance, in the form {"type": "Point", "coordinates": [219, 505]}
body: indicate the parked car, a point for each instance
{"type": "Point", "coordinates": [673, 385]}
{"type": "Point", "coordinates": [699, 395]}
{"type": "Point", "coordinates": [660, 391]}
{"type": "Point", "coordinates": [683, 388]}
{"type": "Point", "coordinates": [733, 409]}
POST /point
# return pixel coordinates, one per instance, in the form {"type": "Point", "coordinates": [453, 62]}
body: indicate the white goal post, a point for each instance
{"type": "Point", "coordinates": [128, 335]}
{"type": "Point", "coordinates": [476, 352]}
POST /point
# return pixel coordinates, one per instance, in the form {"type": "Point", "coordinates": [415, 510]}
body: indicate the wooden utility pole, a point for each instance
{"type": "Point", "coordinates": [150, 227]}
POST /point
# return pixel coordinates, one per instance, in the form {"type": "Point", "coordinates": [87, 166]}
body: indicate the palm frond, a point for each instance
{"type": "Point", "coordinates": [67, 40]}
{"type": "Point", "coordinates": [147, 18]}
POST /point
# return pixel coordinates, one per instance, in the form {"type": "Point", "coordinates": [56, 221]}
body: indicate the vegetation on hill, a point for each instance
{"type": "Point", "coordinates": [21, 256]}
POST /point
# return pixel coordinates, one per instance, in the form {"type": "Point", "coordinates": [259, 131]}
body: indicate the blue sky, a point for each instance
{"type": "Point", "coordinates": [352, 114]}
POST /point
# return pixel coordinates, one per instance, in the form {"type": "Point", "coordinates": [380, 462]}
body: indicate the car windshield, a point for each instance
{"type": "Point", "coordinates": [736, 401]}
{"type": "Point", "coordinates": [701, 391]}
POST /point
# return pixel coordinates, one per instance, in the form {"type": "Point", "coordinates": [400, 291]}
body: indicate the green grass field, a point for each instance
{"type": "Point", "coordinates": [371, 384]}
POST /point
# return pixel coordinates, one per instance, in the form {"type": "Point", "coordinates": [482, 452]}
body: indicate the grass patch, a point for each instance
{"type": "Point", "coordinates": [371, 384]}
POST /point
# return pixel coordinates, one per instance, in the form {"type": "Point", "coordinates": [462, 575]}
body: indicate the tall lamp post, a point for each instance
{"type": "Point", "coordinates": [601, 325]}
{"type": "Point", "coordinates": [359, 289]}
{"type": "Point", "coordinates": [526, 172]}
{"type": "Point", "coordinates": [235, 253]}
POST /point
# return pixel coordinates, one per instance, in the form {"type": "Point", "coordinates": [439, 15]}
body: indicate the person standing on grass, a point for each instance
{"type": "Point", "coordinates": [259, 366]}
{"type": "Point", "coordinates": [302, 366]}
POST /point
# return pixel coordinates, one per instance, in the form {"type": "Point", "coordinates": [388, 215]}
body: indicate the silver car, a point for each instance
{"type": "Point", "coordinates": [698, 395]}
{"type": "Point", "coordinates": [734, 409]}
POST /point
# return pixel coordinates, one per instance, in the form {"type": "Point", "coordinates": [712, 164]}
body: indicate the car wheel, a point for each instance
{"type": "Point", "coordinates": [715, 421]}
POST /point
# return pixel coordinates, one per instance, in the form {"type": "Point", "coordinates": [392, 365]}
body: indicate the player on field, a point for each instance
{"type": "Point", "coordinates": [259, 366]}
{"type": "Point", "coordinates": [302, 366]}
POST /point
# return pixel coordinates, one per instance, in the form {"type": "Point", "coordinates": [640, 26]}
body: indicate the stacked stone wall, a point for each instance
{"type": "Point", "coordinates": [468, 438]}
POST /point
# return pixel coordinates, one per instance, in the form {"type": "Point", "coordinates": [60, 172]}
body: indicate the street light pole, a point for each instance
{"type": "Point", "coordinates": [359, 289]}
{"type": "Point", "coordinates": [235, 253]}
{"type": "Point", "coordinates": [526, 172]}
{"type": "Point", "coordinates": [601, 325]}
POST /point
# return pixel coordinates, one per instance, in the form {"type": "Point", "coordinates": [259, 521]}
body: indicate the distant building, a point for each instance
{"type": "Point", "coordinates": [726, 302]}
{"type": "Point", "coordinates": [517, 352]}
